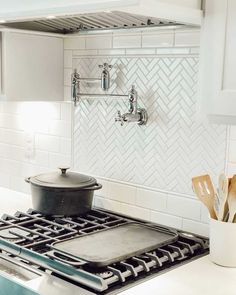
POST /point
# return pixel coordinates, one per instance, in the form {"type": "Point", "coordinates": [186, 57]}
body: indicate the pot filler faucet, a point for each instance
{"type": "Point", "coordinates": [134, 114]}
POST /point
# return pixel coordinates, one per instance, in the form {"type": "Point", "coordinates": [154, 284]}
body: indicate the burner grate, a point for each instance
{"type": "Point", "coordinates": [32, 234]}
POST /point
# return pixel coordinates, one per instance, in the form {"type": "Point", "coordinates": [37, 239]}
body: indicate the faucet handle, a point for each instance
{"type": "Point", "coordinates": [105, 66]}
{"type": "Point", "coordinates": [120, 118]}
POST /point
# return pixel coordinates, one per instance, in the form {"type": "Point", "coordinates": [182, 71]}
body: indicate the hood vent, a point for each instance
{"type": "Point", "coordinates": [91, 21]}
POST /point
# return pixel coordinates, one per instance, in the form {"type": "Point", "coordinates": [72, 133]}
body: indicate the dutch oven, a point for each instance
{"type": "Point", "coordinates": [62, 193]}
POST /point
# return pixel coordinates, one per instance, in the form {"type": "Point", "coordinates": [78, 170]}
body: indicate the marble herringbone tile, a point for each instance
{"type": "Point", "coordinates": [167, 152]}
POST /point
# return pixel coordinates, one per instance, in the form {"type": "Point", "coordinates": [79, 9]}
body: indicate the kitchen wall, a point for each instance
{"type": "Point", "coordinates": [34, 137]}
{"type": "Point", "coordinates": [145, 171]}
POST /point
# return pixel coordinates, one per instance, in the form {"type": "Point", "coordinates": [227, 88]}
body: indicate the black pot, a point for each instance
{"type": "Point", "coordinates": [62, 193]}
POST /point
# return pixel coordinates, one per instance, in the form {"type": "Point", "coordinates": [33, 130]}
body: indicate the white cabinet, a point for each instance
{"type": "Point", "coordinates": [218, 61]}
{"type": "Point", "coordinates": [31, 67]}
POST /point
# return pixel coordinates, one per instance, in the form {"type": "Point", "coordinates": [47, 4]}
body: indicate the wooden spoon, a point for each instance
{"type": "Point", "coordinates": [203, 187]}
{"type": "Point", "coordinates": [232, 199]}
{"type": "Point", "coordinates": [222, 195]}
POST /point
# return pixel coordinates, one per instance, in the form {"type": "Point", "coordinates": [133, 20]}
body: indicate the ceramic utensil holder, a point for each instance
{"type": "Point", "coordinates": [223, 243]}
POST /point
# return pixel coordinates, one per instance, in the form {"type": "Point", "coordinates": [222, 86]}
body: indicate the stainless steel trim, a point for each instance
{"type": "Point", "coordinates": [91, 21]}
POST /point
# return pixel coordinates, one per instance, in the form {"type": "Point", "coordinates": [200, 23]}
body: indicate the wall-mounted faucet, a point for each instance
{"type": "Point", "coordinates": [134, 114]}
{"type": "Point", "coordinates": [76, 79]}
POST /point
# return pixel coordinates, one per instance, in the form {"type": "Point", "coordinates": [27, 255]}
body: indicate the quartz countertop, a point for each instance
{"type": "Point", "coordinates": [200, 276]}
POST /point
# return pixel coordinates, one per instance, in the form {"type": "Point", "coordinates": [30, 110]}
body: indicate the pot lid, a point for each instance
{"type": "Point", "coordinates": [63, 179]}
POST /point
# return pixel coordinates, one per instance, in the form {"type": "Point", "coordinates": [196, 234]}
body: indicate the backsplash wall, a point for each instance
{"type": "Point", "coordinates": [146, 171]}
{"type": "Point", "coordinates": [34, 137]}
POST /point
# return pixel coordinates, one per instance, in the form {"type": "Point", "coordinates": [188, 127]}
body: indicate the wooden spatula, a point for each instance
{"type": "Point", "coordinates": [203, 188]}
{"type": "Point", "coordinates": [232, 199]}
{"type": "Point", "coordinates": [222, 195]}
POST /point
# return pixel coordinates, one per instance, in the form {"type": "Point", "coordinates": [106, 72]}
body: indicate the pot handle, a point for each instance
{"type": "Point", "coordinates": [53, 254]}
{"type": "Point", "coordinates": [96, 186]}
{"type": "Point", "coordinates": [27, 179]}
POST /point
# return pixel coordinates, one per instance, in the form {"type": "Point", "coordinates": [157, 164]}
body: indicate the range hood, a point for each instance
{"type": "Point", "coordinates": [100, 15]}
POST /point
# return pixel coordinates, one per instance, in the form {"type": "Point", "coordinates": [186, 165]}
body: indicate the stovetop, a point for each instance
{"type": "Point", "coordinates": [26, 239]}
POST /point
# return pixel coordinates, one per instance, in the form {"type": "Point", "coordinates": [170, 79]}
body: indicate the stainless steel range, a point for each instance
{"type": "Point", "coordinates": [31, 261]}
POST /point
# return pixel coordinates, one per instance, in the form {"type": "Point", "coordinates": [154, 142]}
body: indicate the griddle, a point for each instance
{"type": "Point", "coordinates": [99, 249]}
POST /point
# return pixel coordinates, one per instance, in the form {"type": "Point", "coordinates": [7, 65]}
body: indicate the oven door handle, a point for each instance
{"type": "Point", "coordinates": [58, 256]}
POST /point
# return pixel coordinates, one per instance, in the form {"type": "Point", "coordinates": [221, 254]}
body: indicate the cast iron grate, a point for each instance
{"type": "Point", "coordinates": [27, 237]}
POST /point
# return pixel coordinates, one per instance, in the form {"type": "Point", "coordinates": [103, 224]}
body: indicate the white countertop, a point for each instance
{"type": "Point", "coordinates": [200, 277]}
{"type": "Point", "coordinates": [195, 278]}
{"type": "Point", "coordinates": [12, 201]}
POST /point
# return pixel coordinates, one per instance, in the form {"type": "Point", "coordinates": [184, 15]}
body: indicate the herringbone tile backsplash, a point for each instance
{"type": "Point", "coordinates": [173, 146]}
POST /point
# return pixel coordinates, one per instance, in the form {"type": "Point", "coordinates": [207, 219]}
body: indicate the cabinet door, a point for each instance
{"type": "Point", "coordinates": [32, 67]}
{"type": "Point", "coordinates": [218, 61]}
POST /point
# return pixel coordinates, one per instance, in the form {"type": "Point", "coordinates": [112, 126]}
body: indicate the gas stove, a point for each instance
{"type": "Point", "coordinates": [27, 261]}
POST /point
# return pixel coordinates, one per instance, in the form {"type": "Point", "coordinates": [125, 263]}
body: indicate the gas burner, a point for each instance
{"type": "Point", "coordinates": [14, 234]}
{"type": "Point", "coordinates": [104, 275]}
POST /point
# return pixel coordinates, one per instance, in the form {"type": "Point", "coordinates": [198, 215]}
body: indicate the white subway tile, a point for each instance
{"type": "Point", "coordinates": [171, 51]}
{"type": "Point", "coordinates": [74, 43]}
{"type": "Point", "coordinates": [103, 191]}
{"type": "Point", "coordinates": [187, 38]}
{"type": "Point", "coordinates": [121, 192]}
{"type": "Point", "coordinates": [232, 151]}
{"type": "Point", "coordinates": [40, 158]}
{"type": "Point", "coordinates": [60, 128]}
{"type": "Point", "coordinates": [66, 111]}
{"type": "Point", "coordinates": [47, 142]}
{"type": "Point", "coordinates": [166, 219]}
{"type": "Point", "coordinates": [184, 207]}
{"type": "Point", "coordinates": [111, 52]}
{"type": "Point", "coordinates": [11, 152]}
{"type": "Point", "coordinates": [86, 52]}
{"type": "Point", "coordinates": [18, 183]}
{"type": "Point", "coordinates": [99, 42]}
{"type": "Point", "coordinates": [11, 121]}
{"type": "Point", "coordinates": [29, 169]}
{"type": "Point", "coordinates": [135, 211]}
{"type": "Point", "coordinates": [204, 214]}
{"type": "Point", "coordinates": [11, 167]}
{"type": "Point", "coordinates": [196, 227]}
{"type": "Point", "coordinates": [11, 107]}
{"type": "Point", "coordinates": [127, 41]}
{"type": "Point", "coordinates": [67, 77]}
{"type": "Point", "coordinates": [157, 40]}
{"type": "Point", "coordinates": [151, 199]}
{"type": "Point", "coordinates": [12, 137]}
{"type": "Point", "coordinates": [59, 160]}
{"type": "Point", "coordinates": [106, 204]}
{"type": "Point", "coordinates": [195, 50]}
{"type": "Point", "coordinates": [232, 134]}
{"type": "Point", "coordinates": [67, 93]}
{"type": "Point", "coordinates": [65, 146]}
{"type": "Point", "coordinates": [140, 51]}
{"type": "Point", "coordinates": [15, 153]}
{"type": "Point", "coordinates": [67, 58]}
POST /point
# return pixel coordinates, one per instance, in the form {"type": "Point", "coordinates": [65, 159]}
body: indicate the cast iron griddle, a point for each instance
{"type": "Point", "coordinates": [111, 245]}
